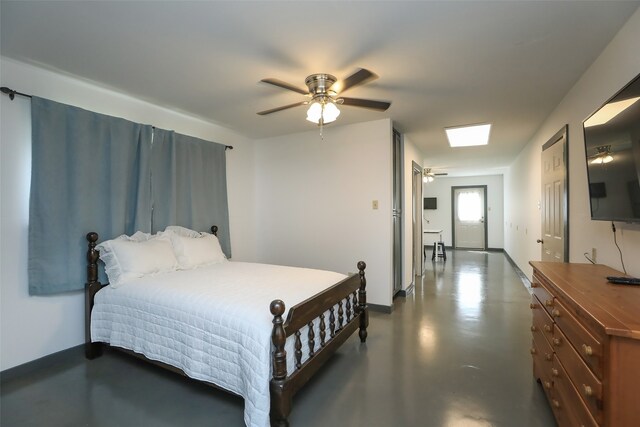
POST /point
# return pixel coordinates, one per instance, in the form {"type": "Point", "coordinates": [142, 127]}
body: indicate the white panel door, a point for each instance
{"type": "Point", "coordinates": [554, 198]}
{"type": "Point", "coordinates": [469, 220]}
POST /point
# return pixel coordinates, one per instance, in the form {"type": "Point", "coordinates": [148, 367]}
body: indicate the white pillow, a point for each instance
{"type": "Point", "coordinates": [193, 249]}
{"type": "Point", "coordinates": [183, 231]}
{"type": "Point", "coordinates": [130, 257]}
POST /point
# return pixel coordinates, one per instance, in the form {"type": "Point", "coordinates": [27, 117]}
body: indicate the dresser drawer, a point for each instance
{"type": "Point", "coordinates": [589, 348]}
{"type": "Point", "coordinates": [584, 381]}
{"type": "Point", "coordinates": [542, 322]}
{"type": "Point", "coordinates": [545, 297]}
{"type": "Point", "coordinates": [542, 365]}
{"type": "Point", "coordinates": [567, 401]}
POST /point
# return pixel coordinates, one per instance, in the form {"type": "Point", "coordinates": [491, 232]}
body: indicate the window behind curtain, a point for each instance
{"type": "Point", "coordinates": [189, 182]}
{"type": "Point", "coordinates": [93, 172]}
{"type": "Point", "coordinates": [90, 172]}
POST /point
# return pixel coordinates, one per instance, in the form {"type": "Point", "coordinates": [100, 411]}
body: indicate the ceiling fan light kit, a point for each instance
{"type": "Point", "coordinates": [323, 89]}
{"type": "Point", "coordinates": [322, 111]}
{"type": "Point", "coordinates": [428, 175]}
{"type": "Point", "coordinates": [602, 156]}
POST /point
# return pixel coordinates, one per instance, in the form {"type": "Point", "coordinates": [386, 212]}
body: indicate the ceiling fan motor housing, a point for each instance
{"type": "Point", "coordinates": [319, 84]}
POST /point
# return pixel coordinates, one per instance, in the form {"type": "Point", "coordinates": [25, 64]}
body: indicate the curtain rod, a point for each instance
{"type": "Point", "coordinates": [12, 94]}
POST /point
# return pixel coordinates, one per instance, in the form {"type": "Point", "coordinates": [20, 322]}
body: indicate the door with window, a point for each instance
{"type": "Point", "coordinates": [469, 214]}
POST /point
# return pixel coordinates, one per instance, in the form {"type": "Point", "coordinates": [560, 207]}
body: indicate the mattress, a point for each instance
{"type": "Point", "coordinates": [212, 322]}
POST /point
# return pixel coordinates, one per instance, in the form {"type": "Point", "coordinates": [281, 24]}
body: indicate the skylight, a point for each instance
{"type": "Point", "coordinates": [467, 136]}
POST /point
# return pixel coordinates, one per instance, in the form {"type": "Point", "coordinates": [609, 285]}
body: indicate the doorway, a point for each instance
{"type": "Point", "coordinates": [554, 206]}
{"type": "Point", "coordinates": [469, 216]}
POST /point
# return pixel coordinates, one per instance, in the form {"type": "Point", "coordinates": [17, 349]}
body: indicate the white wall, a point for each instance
{"type": "Point", "coordinates": [411, 154]}
{"type": "Point", "coordinates": [441, 218]}
{"type": "Point", "coordinates": [618, 64]}
{"type": "Point", "coordinates": [314, 201]}
{"type": "Point", "coordinates": [32, 327]}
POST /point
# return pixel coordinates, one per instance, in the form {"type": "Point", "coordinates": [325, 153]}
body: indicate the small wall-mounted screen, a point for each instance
{"type": "Point", "coordinates": [431, 203]}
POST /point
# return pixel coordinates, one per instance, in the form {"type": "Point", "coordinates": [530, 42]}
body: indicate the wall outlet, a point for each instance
{"type": "Point", "coordinates": [593, 254]}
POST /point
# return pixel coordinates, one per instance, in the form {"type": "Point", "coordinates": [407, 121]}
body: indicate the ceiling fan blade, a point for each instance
{"type": "Point", "coordinates": [360, 77]}
{"type": "Point", "coordinates": [273, 110]}
{"type": "Point", "coordinates": [366, 103]}
{"type": "Point", "coordinates": [441, 174]}
{"type": "Point", "coordinates": [285, 85]}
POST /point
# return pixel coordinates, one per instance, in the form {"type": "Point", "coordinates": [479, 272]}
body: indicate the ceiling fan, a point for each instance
{"type": "Point", "coordinates": [323, 91]}
{"type": "Point", "coordinates": [428, 175]}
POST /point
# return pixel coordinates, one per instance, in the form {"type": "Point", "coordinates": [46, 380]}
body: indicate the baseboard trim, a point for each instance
{"type": "Point", "coordinates": [495, 250]}
{"type": "Point", "coordinates": [52, 362]}
{"type": "Point", "coordinates": [405, 292]}
{"type": "Point", "coordinates": [519, 272]}
{"type": "Point", "coordinates": [380, 308]}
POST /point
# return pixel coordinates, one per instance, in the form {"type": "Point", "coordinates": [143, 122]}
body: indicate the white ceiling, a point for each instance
{"type": "Point", "coordinates": [440, 63]}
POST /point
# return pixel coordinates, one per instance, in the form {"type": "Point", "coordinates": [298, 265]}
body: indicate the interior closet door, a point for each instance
{"type": "Point", "coordinates": [554, 216]}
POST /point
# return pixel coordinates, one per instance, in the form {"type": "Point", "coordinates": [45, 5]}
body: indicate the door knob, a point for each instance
{"type": "Point", "coordinates": [539, 241]}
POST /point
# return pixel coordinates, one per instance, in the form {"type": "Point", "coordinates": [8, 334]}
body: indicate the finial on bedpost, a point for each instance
{"type": "Point", "coordinates": [278, 337]}
{"type": "Point", "coordinates": [214, 230]}
{"type": "Point", "coordinates": [362, 303]}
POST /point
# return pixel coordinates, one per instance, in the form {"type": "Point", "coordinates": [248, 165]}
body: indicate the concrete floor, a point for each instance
{"type": "Point", "coordinates": [454, 353]}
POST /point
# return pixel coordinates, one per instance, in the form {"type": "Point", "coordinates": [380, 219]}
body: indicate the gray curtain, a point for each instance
{"type": "Point", "coordinates": [90, 172]}
{"type": "Point", "coordinates": [189, 182]}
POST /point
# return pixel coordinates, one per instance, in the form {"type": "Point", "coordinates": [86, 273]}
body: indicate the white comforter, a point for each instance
{"type": "Point", "coordinates": [212, 322]}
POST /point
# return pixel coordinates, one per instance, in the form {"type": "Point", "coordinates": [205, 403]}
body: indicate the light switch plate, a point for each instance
{"type": "Point", "coordinates": [374, 204]}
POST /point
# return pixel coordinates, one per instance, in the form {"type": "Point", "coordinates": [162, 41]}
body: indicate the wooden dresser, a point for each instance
{"type": "Point", "coordinates": [586, 344]}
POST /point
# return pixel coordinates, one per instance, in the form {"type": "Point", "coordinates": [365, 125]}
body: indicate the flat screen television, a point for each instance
{"type": "Point", "coordinates": [612, 146]}
{"type": "Point", "coordinates": [431, 203]}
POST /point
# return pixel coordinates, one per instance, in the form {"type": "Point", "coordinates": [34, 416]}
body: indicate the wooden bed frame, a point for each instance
{"type": "Point", "coordinates": [349, 293]}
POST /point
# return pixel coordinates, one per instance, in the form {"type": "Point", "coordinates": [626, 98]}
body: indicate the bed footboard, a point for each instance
{"type": "Point", "coordinates": [350, 297]}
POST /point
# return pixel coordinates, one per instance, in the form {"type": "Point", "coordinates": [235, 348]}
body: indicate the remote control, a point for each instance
{"type": "Point", "coordinates": [623, 280]}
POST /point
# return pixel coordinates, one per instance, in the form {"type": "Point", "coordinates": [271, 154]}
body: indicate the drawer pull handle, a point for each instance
{"type": "Point", "coordinates": [547, 384]}
{"type": "Point", "coordinates": [555, 372]}
{"type": "Point", "coordinates": [549, 303]}
{"type": "Point", "coordinates": [587, 349]}
{"type": "Point", "coordinates": [533, 328]}
{"type": "Point", "coordinates": [548, 356]}
{"type": "Point", "coordinates": [557, 341]}
{"type": "Point", "coordinates": [532, 350]}
{"type": "Point", "coordinates": [547, 328]}
{"type": "Point", "coordinates": [533, 305]}
{"type": "Point", "coordinates": [556, 403]}
{"type": "Point", "coordinates": [556, 313]}
{"type": "Point", "coordinates": [587, 390]}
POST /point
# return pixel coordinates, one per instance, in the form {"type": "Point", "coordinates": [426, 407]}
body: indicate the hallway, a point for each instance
{"type": "Point", "coordinates": [453, 353]}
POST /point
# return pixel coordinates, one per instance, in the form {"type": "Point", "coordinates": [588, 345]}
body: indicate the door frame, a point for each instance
{"type": "Point", "coordinates": [416, 226]}
{"type": "Point", "coordinates": [562, 134]}
{"type": "Point", "coordinates": [453, 213]}
{"type": "Point", "coordinates": [398, 213]}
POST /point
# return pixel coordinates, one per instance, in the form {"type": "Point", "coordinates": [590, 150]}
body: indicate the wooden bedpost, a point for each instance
{"type": "Point", "coordinates": [91, 350]}
{"type": "Point", "coordinates": [362, 303]}
{"type": "Point", "coordinates": [280, 398]}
